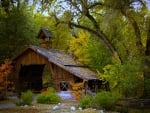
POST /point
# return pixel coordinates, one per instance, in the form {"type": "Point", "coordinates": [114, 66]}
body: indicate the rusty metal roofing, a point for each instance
{"type": "Point", "coordinates": [65, 61]}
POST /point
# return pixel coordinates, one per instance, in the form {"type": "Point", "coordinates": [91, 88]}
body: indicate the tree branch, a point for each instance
{"type": "Point", "coordinates": [136, 31]}
{"type": "Point", "coordinates": [147, 51]}
{"type": "Point", "coordinates": [101, 36]}
{"type": "Point", "coordinates": [95, 4]}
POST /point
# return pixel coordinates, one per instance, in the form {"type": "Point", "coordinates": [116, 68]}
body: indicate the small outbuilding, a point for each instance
{"type": "Point", "coordinates": [63, 69]}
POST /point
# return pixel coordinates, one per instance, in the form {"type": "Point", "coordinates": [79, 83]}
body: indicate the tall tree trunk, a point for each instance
{"type": "Point", "coordinates": [146, 93]}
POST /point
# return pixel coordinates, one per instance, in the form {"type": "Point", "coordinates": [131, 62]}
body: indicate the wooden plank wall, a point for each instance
{"type": "Point", "coordinates": [59, 75]}
{"type": "Point", "coordinates": [27, 58]}
{"type": "Point", "coordinates": [31, 57]}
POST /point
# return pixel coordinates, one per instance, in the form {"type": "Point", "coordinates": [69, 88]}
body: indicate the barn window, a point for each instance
{"type": "Point", "coordinates": [63, 85]}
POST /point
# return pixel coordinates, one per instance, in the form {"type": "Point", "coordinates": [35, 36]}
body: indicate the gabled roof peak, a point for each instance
{"type": "Point", "coordinates": [44, 33]}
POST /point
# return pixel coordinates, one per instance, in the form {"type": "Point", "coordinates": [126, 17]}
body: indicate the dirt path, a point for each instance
{"type": "Point", "coordinates": [64, 107]}
{"type": "Point", "coordinates": [8, 106]}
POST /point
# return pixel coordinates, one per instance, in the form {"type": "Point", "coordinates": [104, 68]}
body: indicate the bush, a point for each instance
{"type": "Point", "coordinates": [51, 90]}
{"type": "Point", "coordinates": [86, 102]}
{"type": "Point", "coordinates": [106, 100]}
{"type": "Point", "coordinates": [48, 98]}
{"type": "Point", "coordinates": [26, 98]}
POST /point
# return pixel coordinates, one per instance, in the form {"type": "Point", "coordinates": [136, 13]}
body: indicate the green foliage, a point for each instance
{"type": "Point", "coordinates": [51, 90]}
{"type": "Point", "coordinates": [46, 77]}
{"type": "Point", "coordinates": [122, 24]}
{"type": "Point", "coordinates": [89, 51]}
{"type": "Point", "coordinates": [126, 79]}
{"type": "Point", "coordinates": [99, 55]}
{"type": "Point", "coordinates": [26, 98]}
{"type": "Point", "coordinates": [106, 100]}
{"type": "Point", "coordinates": [62, 37]}
{"type": "Point", "coordinates": [16, 30]}
{"type": "Point", "coordinates": [48, 97]}
{"type": "Point", "coordinates": [60, 31]}
{"type": "Point", "coordinates": [79, 45]}
{"type": "Point", "coordinates": [86, 102]}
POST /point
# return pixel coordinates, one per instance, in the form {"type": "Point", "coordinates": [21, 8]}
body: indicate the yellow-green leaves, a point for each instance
{"type": "Point", "coordinates": [127, 79]}
{"type": "Point", "coordinates": [79, 45]}
{"type": "Point", "coordinates": [90, 51]}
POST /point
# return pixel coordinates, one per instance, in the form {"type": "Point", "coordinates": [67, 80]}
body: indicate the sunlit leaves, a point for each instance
{"type": "Point", "coordinates": [79, 45]}
{"type": "Point", "coordinates": [99, 55]}
{"type": "Point", "coordinates": [89, 51]}
{"type": "Point", "coordinates": [127, 79]}
{"type": "Point", "coordinates": [62, 37]}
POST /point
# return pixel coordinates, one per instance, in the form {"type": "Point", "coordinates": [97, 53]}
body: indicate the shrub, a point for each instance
{"type": "Point", "coordinates": [51, 90]}
{"type": "Point", "coordinates": [48, 90]}
{"type": "Point", "coordinates": [48, 98]}
{"type": "Point", "coordinates": [86, 102]}
{"type": "Point", "coordinates": [26, 98]}
{"type": "Point", "coordinates": [126, 78]}
{"type": "Point", "coordinates": [106, 100]}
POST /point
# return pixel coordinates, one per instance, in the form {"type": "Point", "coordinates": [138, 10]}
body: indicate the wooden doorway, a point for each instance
{"type": "Point", "coordinates": [30, 77]}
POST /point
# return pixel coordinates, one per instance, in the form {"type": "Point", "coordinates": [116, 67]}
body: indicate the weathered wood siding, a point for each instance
{"type": "Point", "coordinates": [27, 58]}
{"type": "Point", "coordinates": [59, 75]}
{"type": "Point", "coordinates": [31, 57]}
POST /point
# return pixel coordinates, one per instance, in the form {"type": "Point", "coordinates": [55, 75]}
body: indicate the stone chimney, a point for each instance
{"type": "Point", "coordinates": [45, 36]}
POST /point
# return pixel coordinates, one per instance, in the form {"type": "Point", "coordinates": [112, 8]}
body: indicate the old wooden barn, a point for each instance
{"type": "Point", "coordinates": [29, 66]}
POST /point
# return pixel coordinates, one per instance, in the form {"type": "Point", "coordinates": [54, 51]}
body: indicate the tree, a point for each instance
{"type": "Point", "coordinates": [79, 45]}
{"type": "Point", "coordinates": [17, 29]}
{"type": "Point", "coordinates": [125, 79]}
{"type": "Point", "coordinates": [140, 33]}
{"type": "Point", "coordinates": [81, 10]}
{"type": "Point", "coordinates": [89, 51]}
{"type": "Point", "coordinates": [96, 16]}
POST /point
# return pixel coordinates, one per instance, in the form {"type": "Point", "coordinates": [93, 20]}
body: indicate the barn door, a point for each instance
{"type": "Point", "coordinates": [30, 77]}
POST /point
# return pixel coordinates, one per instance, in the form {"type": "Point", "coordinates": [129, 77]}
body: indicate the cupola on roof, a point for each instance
{"type": "Point", "coordinates": [45, 33]}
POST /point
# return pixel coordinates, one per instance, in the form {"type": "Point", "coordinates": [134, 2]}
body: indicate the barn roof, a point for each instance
{"type": "Point", "coordinates": [45, 33]}
{"type": "Point", "coordinates": [64, 61]}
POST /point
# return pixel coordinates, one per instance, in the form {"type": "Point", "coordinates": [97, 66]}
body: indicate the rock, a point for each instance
{"type": "Point", "coordinates": [101, 111]}
{"type": "Point", "coordinates": [80, 108]}
{"type": "Point", "coordinates": [72, 108]}
{"type": "Point", "coordinates": [62, 105]}
{"type": "Point", "coordinates": [56, 107]}
{"type": "Point", "coordinates": [33, 107]}
{"type": "Point", "coordinates": [25, 106]}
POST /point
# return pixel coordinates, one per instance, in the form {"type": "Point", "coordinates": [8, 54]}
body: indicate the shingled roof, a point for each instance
{"type": "Point", "coordinates": [65, 61]}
